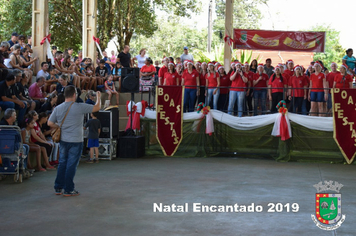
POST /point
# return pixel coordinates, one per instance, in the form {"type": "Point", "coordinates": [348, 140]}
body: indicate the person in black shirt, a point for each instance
{"type": "Point", "coordinates": [101, 72]}
{"type": "Point", "coordinates": [62, 83]}
{"type": "Point", "coordinates": [9, 117]}
{"type": "Point", "coordinates": [49, 104]}
{"type": "Point", "coordinates": [18, 88]}
{"type": "Point", "coordinates": [23, 89]}
{"type": "Point", "coordinates": [124, 57]}
{"type": "Point", "coordinates": [9, 100]}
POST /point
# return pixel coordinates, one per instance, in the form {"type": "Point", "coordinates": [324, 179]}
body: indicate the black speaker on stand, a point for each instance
{"type": "Point", "coordinates": [130, 146]}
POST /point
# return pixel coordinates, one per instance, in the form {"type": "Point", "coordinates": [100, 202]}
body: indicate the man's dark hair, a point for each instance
{"type": "Point", "coordinates": [10, 78]}
{"type": "Point", "coordinates": [43, 63]}
{"type": "Point", "coordinates": [69, 91]}
{"type": "Point", "coordinates": [268, 59]}
{"type": "Point", "coordinates": [58, 53]}
{"type": "Point", "coordinates": [16, 72]}
{"type": "Point", "coordinates": [102, 61]}
{"type": "Point", "coordinates": [40, 79]}
{"type": "Point", "coordinates": [54, 47]}
{"type": "Point", "coordinates": [95, 114]}
{"type": "Point", "coordinates": [42, 115]}
{"type": "Point", "coordinates": [23, 50]}
{"type": "Point", "coordinates": [8, 113]}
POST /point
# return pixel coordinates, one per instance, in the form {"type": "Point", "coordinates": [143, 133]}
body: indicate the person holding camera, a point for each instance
{"type": "Point", "coordinates": [260, 82]}
{"type": "Point", "coordinates": [237, 90]}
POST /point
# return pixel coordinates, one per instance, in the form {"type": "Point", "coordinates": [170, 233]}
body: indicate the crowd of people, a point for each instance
{"type": "Point", "coordinates": [246, 89]}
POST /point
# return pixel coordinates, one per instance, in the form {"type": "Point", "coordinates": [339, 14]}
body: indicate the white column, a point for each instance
{"type": "Point", "coordinates": [89, 28]}
{"type": "Point", "coordinates": [228, 31]}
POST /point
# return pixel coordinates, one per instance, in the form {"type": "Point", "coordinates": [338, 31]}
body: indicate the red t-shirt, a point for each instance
{"type": "Point", "coordinates": [190, 79]}
{"type": "Point", "coordinates": [225, 82]}
{"type": "Point", "coordinates": [37, 129]}
{"type": "Point", "coordinates": [170, 78]}
{"type": "Point", "coordinates": [150, 68]}
{"type": "Point", "coordinates": [179, 79]}
{"type": "Point", "coordinates": [238, 84]}
{"type": "Point", "coordinates": [277, 84]}
{"type": "Point", "coordinates": [202, 79]}
{"type": "Point", "coordinates": [330, 78]}
{"type": "Point", "coordinates": [263, 82]}
{"type": "Point", "coordinates": [161, 73]}
{"type": "Point", "coordinates": [340, 83]}
{"type": "Point", "coordinates": [212, 82]}
{"type": "Point", "coordinates": [289, 72]}
{"type": "Point", "coordinates": [298, 83]}
{"type": "Point", "coordinates": [317, 82]}
{"type": "Point", "coordinates": [286, 77]}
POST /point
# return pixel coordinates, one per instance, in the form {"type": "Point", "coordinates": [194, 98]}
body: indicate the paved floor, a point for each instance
{"type": "Point", "coordinates": [117, 198]}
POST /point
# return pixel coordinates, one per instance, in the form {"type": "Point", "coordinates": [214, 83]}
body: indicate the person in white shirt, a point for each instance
{"type": "Point", "coordinates": [44, 71]}
{"type": "Point", "coordinates": [140, 58]}
{"type": "Point", "coordinates": [185, 56]}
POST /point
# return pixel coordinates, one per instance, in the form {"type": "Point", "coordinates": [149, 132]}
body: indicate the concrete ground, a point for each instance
{"type": "Point", "coordinates": [117, 198]}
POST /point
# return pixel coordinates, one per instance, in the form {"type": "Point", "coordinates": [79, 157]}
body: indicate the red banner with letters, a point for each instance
{"type": "Point", "coordinates": [344, 106]}
{"type": "Point", "coordinates": [169, 104]}
{"type": "Point", "coordinates": [279, 40]}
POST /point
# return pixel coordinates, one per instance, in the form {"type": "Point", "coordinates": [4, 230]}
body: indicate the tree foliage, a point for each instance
{"type": "Point", "coordinates": [333, 49]}
{"type": "Point", "coordinates": [170, 38]}
{"type": "Point", "coordinates": [119, 19]}
{"type": "Point", "coordinates": [15, 17]}
{"type": "Point", "coordinates": [246, 15]}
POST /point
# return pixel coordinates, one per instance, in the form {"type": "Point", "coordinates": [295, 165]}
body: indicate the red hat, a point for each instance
{"type": "Point", "coordinates": [280, 64]}
{"type": "Point", "coordinates": [204, 63]}
{"type": "Point", "coordinates": [297, 66]}
{"type": "Point", "coordinates": [277, 67]}
{"type": "Point", "coordinates": [238, 63]}
{"type": "Point", "coordinates": [210, 64]}
{"type": "Point", "coordinates": [344, 65]}
{"type": "Point", "coordinates": [217, 63]}
{"type": "Point", "coordinates": [233, 63]}
{"type": "Point", "coordinates": [317, 63]}
{"type": "Point", "coordinates": [246, 63]}
{"type": "Point", "coordinates": [290, 61]}
{"type": "Point", "coordinates": [220, 67]}
{"type": "Point", "coordinates": [198, 62]}
{"type": "Point", "coordinates": [190, 62]}
{"type": "Point", "coordinates": [260, 65]}
{"type": "Point", "coordinates": [171, 63]}
{"type": "Point", "coordinates": [333, 63]}
{"type": "Point", "coordinates": [179, 64]}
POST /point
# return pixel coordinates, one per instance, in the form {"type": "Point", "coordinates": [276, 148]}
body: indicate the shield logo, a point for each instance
{"type": "Point", "coordinates": [328, 208]}
{"type": "Point", "coordinates": [243, 38]}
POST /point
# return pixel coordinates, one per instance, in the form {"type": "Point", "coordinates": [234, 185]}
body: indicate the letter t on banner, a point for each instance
{"type": "Point", "coordinates": [169, 120]}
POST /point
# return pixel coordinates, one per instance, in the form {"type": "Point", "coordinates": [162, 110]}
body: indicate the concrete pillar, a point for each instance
{"type": "Point", "coordinates": [40, 28]}
{"type": "Point", "coordinates": [89, 28]}
{"type": "Point", "coordinates": [228, 31]}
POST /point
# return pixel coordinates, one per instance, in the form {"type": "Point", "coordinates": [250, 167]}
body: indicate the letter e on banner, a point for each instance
{"type": "Point", "coordinates": [344, 120]}
{"type": "Point", "coordinates": [169, 120]}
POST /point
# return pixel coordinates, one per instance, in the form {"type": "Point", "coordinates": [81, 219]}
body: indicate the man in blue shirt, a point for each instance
{"type": "Point", "coordinates": [14, 39]}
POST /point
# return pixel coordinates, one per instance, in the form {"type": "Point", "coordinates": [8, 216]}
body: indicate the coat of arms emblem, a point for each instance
{"type": "Point", "coordinates": [328, 206]}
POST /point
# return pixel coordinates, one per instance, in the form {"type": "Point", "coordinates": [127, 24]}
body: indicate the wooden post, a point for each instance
{"type": "Point", "coordinates": [40, 28]}
{"type": "Point", "coordinates": [228, 31]}
{"type": "Point", "coordinates": [89, 28]}
{"type": "Point", "coordinates": [210, 25]}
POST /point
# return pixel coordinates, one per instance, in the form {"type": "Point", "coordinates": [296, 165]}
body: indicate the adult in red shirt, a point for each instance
{"type": "Point", "coordinates": [225, 83]}
{"type": "Point", "coordinates": [237, 90]}
{"type": "Point", "coordinates": [202, 74]}
{"type": "Point", "coordinates": [343, 79]}
{"type": "Point", "coordinates": [297, 92]}
{"type": "Point", "coordinates": [147, 75]}
{"type": "Point", "coordinates": [213, 86]}
{"type": "Point", "coordinates": [179, 70]}
{"type": "Point", "coordinates": [290, 68]}
{"type": "Point", "coordinates": [190, 79]}
{"type": "Point", "coordinates": [318, 92]}
{"type": "Point", "coordinates": [286, 75]}
{"type": "Point", "coordinates": [163, 70]}
{"type": "Point", "coordinates": [277, 86]}
{"type": "Point", "coordinates": [171, 78]}
{"type": "Point", "coordinates": [330, 79]}
{"type": "Point", "coordinates": [260, 82]}
{"type": "Point", "coordinates": [249, 92]}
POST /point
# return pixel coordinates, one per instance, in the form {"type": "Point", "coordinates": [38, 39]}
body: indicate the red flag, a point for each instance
{"type": "Point", "coordinates": [48, 37]}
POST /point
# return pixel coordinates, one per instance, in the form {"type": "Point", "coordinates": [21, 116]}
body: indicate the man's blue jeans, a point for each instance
{"type": "Point", "coordinates": [69, 156]}
{"type": "Point", "coordinates": [240, 96]}
{"type": "Point", "coordinates": [22, 111]}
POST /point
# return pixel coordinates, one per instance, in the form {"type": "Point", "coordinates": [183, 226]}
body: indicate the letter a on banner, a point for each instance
{"type": "Point", "coordinates": [345, 122]}
{"type": "Point", "coordinates": [169, 120]}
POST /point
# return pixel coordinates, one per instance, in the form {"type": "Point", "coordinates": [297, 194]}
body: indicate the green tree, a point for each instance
{"type": "Point", "coordinates": [15, 17]}
{"type": "Point", "coordinates": [246, 15]}
{"type": "Point", "coordinates": [119, 19]}
{"type": "Point", "coordinates": [333, 49]}
{"type": "Point", "coordinates": [170, 38]}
